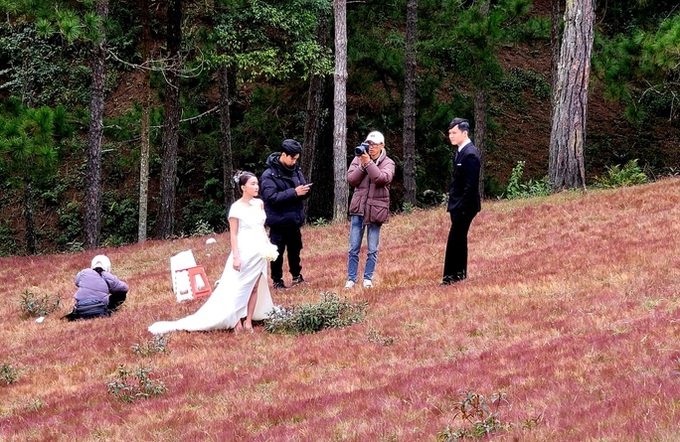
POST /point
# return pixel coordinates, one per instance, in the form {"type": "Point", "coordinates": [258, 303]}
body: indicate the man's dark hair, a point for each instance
{"type": "Point", "coordinates": [462, 123]}
{"type": "Point", "coordinates": [291, 147]}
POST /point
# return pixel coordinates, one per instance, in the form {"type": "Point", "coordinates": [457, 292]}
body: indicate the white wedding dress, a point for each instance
{"type": "Point", "coordinates": [228, 302]}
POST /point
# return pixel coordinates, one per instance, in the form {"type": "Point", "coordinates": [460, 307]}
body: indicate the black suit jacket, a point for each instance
{"type": "Point", "coordinates": [464, 197]}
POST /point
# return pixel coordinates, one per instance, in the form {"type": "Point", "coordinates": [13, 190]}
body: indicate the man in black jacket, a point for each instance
{"type": "Point", "coordinates": [464, 201]}
{"type": "Point", "coordinates": [283, 188]}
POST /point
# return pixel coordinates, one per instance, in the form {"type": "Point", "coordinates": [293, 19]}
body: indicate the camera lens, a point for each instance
{"type": "Point", "coordinates": [360, 150]}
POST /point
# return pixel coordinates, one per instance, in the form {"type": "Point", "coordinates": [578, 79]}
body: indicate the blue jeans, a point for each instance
{"type": "Point", "coordinates": [356, 234]}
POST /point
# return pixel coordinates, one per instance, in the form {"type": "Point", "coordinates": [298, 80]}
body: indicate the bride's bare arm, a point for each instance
{"type": "Point", "coordinates": [262, 207]}
{"type": "Point", "coordinates": [233, 236]}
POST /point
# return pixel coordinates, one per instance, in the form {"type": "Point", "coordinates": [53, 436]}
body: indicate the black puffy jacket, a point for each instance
{"type": "Point", "coordinates": [277, 189]}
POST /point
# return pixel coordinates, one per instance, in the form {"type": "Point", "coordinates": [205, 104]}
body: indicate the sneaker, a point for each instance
{"type": "Point", "coordinates": [368, 284]}
{"type": "Point", "coordinates": [298, 279]}
{"type": "Point", "coordinates": [278, 284]}
{"type": "Point", "coordinates": [349, 284]}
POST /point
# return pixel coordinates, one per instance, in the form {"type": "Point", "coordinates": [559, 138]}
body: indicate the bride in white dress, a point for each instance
{"type": "Point", "coordinates": [242, 294]}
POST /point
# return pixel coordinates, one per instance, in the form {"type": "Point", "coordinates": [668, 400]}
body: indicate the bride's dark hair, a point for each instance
{"type": "Point", "coordinates": [242, 177]}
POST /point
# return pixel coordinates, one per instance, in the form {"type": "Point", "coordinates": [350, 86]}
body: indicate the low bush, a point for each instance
{"type": "Point", "coordinates": [330, 312]}
{"type": "Point", "coordinates": [8, 374]}
{"type": "Point", "coordinates": [481, 418]}
{"type": "Point", "coordinates": [33, 304]}
{"type": "Point", "coordinates": [159, 344]}
{"type": "Point", "coordinates": [628, 175]}
{"type": "Point", "coordinates": [130, 386]}
{"type": "Point", "coordinates": [517, 189]}
{"type": "Point", "coordinates": [378, 338]}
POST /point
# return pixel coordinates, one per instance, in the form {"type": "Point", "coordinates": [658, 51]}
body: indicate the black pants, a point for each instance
{"type": "Point", "coordinates": [286, 237]}
{"type": "Point", "coordinates": [90, 309]}
{"type": "Point", "coordinates": [455, 262]}
{"type": "Point", "coordinates": [116, 299]}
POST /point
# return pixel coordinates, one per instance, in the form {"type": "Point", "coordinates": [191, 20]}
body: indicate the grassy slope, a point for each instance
{"type": "Point", "coordinates": [571, 309]}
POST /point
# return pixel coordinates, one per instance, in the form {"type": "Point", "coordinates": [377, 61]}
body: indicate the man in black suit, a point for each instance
{"type": "Point", "coordinates": [464, 201]}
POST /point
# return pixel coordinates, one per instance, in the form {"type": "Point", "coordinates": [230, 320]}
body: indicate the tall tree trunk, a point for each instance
{"type": "Point", "coordinates": [93, 203]}
{"type": "Point", "coordinates": [554, 50]}
{"type": "Point", "coordinates": [225, 77]}
{"type": "Point", "coordinates": [313, 115]}
{"type": "Point", "coordinates": [170, 140]}
{"type": "Point", "coordinates": [340, 113]}
{"type": "Point", "coordinates": [410, 103]}
{"type": "Point", "coordinates": [228, 184]}
{"type": "Point", "coordinates": [29, 218]}
{"type": "Point", "coordinates": [567, 137]}
{"type": "Point", "coordinates": [312, 125]}
{"type": "Point", "coordinates": [481, 101]}
{"type": "Point", "coordinates": [144, 144]}
{"type": "Point", "coordinates": [481, 104]}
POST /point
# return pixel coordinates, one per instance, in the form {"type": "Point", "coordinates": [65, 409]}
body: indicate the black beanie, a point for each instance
{"type": "Point", "coordinates": [291, 147]}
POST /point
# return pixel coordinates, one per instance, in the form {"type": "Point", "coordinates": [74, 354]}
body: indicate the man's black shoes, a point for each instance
{"type": "Point", "coordinates": [279, 284]}
{"type": "Point", "coordinates": [450, 279]}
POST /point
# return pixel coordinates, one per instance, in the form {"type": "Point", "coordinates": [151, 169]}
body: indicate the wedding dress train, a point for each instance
{"type": "Point", "coordinates": [229, 301]}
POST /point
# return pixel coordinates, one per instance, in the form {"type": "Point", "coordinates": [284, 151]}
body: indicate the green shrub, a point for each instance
{"type": "Point", "coordinates": [330, 312]}
{"type": "Point", "coordinates": [511, 89]}
{"type": "Point", "coordinates": [202, 228]}
{"type": "Point", "coordinates": [430, 198]}
{"type": "Point", "coordinates": [378, 338]}
{"type": "Point", "coordinates": [8, 244]}
{"type": "Point", "coordinates": [119, 220]}
{"type": "Point", "coordinates": [203, 217]}
{"type": "Point", "coordinates": [130, 386]}
{"type": "Point", "coordinates": [37, 304]}
{"type": "Point", "coordinates": [8, 374]}
{"type": "Point", "coordinates": [159, 344]}
{"type": "Point", "coordinates": [628, 175]}
{"type": "Point", "coordinates": [70, 228]}
{"type": "Point", "coordinates": [517, 189]}
{"type": "Point", "coordinates": [320, 222]}
{"type": "Point", "coordinates": [481, 418]}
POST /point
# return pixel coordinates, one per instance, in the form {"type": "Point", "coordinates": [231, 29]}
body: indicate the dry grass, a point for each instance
{"type": "Point", "coordinates": [571, 310]}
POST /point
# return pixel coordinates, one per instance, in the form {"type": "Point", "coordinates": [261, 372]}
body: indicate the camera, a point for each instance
{"type": "Point", "coordinates": [360, 150]}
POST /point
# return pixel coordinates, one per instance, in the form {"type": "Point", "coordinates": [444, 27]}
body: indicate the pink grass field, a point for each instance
{"type": "Point", "coordinates": [571, 309]}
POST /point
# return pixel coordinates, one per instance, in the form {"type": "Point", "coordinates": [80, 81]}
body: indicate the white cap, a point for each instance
{"type": "Point", "coordinates": [101, 261]}
{"type": "Point", "coordinates": [375, 137]}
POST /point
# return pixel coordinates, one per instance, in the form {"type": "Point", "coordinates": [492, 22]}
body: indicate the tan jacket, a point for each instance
{"type": "Point", "coordinates": [371, 198]}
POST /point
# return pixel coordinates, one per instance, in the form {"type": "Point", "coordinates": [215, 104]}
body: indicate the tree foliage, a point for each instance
{"type": "Point", "coordinates": [271, 49]}
{"type": "Point", "coordinates": [29, 154]}
{"type": "Point", "coordinates": [28, 142]}
{"type": "Point", "coordinates": [641, 68]}
{"type": "Point", "coordinates": [273, 40]}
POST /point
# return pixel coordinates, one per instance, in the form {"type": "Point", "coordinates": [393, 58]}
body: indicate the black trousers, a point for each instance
{"type": "Point", "coordinates": [286, 237]}
{"type": "Point", "coordinates": [116, 299]}
{"type": "Point", "coordinates": [455, 261]}
{"type": "Point", "coordinates": [92, 308]}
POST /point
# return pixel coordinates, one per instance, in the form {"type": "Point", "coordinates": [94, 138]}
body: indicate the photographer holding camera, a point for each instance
{"type": "Point", "coordinates": [370, 173]}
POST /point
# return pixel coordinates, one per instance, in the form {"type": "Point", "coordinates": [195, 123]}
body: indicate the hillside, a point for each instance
{"type": "Point", "coordinates": [519, 127]}
{"type": "Point", "coordinates": [265, 112]}
{"type": "Point", "coordinates": [571, 310]}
